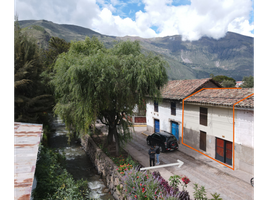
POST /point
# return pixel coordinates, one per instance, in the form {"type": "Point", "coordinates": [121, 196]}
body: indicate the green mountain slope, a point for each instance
{"type": "Point", "coordinates": [231, 55]}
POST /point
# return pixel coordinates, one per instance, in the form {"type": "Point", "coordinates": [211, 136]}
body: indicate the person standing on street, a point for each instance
{"type": "Point", "coordinates": [157, 152]}
{"type": "Point", "coordinates": [151, 153]}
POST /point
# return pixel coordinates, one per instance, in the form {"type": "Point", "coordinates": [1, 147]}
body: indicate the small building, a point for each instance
{"type": "Point", "coordinates": [27, 138]}
{"type": "Point", "coordinates": [215, 119]}
{"type": "Point", "coordinates": [239, 83]}
{"type": "Point", "coordinates": [167, 114]}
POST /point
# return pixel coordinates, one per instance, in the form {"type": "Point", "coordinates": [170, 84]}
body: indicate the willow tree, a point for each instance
{"type": "Point", "coordinates": [92, 82]}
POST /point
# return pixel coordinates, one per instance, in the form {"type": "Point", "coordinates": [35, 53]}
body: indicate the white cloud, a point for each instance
{"type": "Point", "coordinates": [201, 18]}
{"type": "Point", "coordinates": [115, 25]}
{"type": "Point", "coordinates": [241, 26]}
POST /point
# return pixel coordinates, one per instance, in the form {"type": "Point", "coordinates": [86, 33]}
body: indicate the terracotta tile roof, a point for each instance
{"type": "Point", "coordinates": [179, 89]}
{"type": "Point", "coordinates": [224, 97]}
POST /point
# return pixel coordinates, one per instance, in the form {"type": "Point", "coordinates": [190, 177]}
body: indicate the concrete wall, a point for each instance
{"type": "Point", "coordinates": [219, 124]}
{"type": "Point", "coordinates": [163, 115]}
{"type": "Point", "coordinates": [244, 137]}
{"type": "Point", "coordinates": [220, 121]}
{"type": "Point", "coordinates": [244, 127]}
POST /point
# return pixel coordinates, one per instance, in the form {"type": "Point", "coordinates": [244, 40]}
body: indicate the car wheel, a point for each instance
{"type": "Point", "coordinates": [148, 142]}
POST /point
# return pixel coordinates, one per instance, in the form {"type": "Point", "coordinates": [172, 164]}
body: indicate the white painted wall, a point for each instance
{"type": "Point", "coordinates": [220, 123]}
{"type": "Point", "coordinates": [163, 115]}
{"type": "Point", "coordinates": [150, 113]}
{"type": "Point", "coordinates": [244, 128]}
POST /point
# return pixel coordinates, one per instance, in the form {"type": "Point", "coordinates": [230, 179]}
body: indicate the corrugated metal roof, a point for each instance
{"type": "Point", "coordinates": [26, 143]}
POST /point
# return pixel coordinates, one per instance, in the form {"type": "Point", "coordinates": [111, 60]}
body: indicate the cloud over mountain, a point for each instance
{"type": "Point", "coordinates": [150, 18]}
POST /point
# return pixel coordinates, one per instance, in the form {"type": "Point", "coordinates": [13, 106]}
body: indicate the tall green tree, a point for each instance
{"type": "Point", "coordinates": [31, 101]}
{"type": "Point", "coordinates": [248, 82]}
{"type": "Point", "coordinates": [94, 82]}
{"type": "Point", "coordinates": [225, 81]}
{"type": "Point", "coordinates": [56, 46]}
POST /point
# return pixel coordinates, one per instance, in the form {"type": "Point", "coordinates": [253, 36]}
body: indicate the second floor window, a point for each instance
{"type": "Point", "coordinates": [203, 116]}
{"type": "Point", "coordinates": [156, 106]}
{"type": "Point", "coordinates": [173, 108]}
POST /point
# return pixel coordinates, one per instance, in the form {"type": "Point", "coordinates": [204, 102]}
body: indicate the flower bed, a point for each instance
{"type": "Point", "coordinates": [144, 185]}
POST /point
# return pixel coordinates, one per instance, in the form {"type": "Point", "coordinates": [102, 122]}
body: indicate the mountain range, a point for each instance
{"type": "Point", "coordinates": [232, 55]}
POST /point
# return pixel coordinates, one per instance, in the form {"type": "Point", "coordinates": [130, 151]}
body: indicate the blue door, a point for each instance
{"type": "Point", "coordinates": [175, 129]}
{"type": "Point", "coordinates": [156, 126]}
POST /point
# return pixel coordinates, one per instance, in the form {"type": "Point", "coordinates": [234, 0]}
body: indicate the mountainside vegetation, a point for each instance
{"type": "Point", "coordinates": [230, 56]}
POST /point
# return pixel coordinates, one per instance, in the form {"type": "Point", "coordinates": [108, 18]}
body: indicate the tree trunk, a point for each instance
{"type": "Point", "coordinates": [110, 135]}
{"type": "Point", "coordinates": [113, 132]}
{"type": "Point", "coordinates": [117, 144]}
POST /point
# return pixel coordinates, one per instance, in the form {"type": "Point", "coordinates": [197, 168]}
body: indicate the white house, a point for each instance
{"type": "Point", "coordinates": [167, 114]}
{"type": "Point", "coordinates": [210, 124]}
{"type": "Point", "coordinates": [216, 120]}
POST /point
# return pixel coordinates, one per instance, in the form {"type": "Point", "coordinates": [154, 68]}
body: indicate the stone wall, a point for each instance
{"type": "Point", "coordinates": [104, 166]}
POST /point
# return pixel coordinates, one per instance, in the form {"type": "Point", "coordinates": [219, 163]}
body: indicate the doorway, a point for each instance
{"type": "Point", "coordinates": [224, 151]}
{"type": "Point", "coordinates": [156, 126]}
{"type": "Point", "coordinates": [175, 129]}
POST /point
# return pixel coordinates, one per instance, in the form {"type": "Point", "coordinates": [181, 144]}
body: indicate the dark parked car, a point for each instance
{"type": "Point", "coordinates": [166, 141]}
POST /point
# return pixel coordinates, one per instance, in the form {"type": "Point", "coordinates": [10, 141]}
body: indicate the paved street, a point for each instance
{"type": "Point", "coordinates": [204, 171]}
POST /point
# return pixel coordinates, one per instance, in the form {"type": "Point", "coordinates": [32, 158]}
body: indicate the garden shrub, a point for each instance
{"type": "Point", "coordinates": [53, 180]}
{"type": "Point", "coordinates": [146, 186]}
{"type": "Point", "coordinates": [169, 191]}
{"type": "Point", "coordinates": [141, 185]}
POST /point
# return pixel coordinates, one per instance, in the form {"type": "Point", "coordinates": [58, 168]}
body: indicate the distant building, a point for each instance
{"type": "Point", "coordinates": [239, 83]}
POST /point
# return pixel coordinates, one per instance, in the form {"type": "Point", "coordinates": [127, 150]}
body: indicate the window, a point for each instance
{"type": "Point", "coordinates": [203, 116]}
{"type": "Point", "coordinates": [203, 140]}
{"type": "Point", "coordinates": [156, 106]}
{"type": "Point", "coordinates": [173, 108]}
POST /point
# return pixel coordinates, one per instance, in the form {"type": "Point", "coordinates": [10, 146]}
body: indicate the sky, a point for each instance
{"type": "Point", "coordinates": [192, 19]}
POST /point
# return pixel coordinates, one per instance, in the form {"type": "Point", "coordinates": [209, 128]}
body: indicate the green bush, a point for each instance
{"type": "Point", "coordinates": [53, 180]}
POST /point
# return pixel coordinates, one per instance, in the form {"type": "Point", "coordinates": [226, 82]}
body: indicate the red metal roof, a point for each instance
{"type": "Point", "coordinates": [26, 143]}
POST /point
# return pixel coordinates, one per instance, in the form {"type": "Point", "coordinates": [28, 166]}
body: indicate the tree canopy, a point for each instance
{"type": "Point", "coordinates": [31, 100]}
{"type": "Point", "coordinates": [248, 82]}
{"type": "Point", "coordinates": [94, 82]}
{"type": "Point", "coordinates": [225, 81]}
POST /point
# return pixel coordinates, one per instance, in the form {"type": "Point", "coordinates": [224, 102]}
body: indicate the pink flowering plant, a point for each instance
{"type": "Point", "coordinates": [141, 185]}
